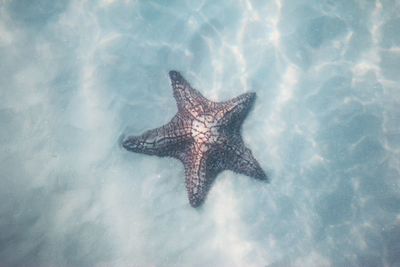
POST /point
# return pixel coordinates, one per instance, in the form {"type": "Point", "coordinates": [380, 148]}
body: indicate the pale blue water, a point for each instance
{"type": "Point", "coordinates": [75, 75]}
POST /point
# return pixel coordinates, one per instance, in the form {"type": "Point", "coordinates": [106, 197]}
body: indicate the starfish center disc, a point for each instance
{"type": "Point", "coordinates": [205, 130]}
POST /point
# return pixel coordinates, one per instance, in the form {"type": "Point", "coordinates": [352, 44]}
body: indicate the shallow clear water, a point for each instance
{"type": "Point", "coordinates": [75, 75]}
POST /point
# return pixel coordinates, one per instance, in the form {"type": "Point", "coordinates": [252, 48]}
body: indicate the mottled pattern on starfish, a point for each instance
{"type": "Point", "coordinates": [204, 135]}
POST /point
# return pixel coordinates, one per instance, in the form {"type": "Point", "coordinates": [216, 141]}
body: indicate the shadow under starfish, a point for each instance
{"type": "Point", "coordinates": [204, 135]}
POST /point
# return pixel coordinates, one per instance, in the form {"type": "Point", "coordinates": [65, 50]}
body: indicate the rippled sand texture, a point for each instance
{"type": "Point", "coordinates": [76, 74]}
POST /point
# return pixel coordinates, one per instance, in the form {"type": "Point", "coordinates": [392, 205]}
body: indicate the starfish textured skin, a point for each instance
{"type": "Point", "coordinates": [204, 135]}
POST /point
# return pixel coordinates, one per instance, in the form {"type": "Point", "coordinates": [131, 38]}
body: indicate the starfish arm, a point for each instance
{"type": "Point", "coordinates": [236, 109]}
{"type": "Point", "coordinates": [201, 168]}
{"type": "Point", "coordinates": [168, 140]}
{"type": "Point", "coordinates": [241, 160]}
{"type": "Point", "coordinates": [187, 98]}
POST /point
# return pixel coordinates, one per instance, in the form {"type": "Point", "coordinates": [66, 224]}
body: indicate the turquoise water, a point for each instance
{"type": "Point", "coordinates": [75, 75]}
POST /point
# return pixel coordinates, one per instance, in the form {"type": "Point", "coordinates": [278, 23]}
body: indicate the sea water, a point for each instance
{"type": "Point", "coordinates": [75, 75]}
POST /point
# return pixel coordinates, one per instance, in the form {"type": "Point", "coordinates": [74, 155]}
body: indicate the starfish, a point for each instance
{"type": "Point", "coordinates": [204, 135]}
